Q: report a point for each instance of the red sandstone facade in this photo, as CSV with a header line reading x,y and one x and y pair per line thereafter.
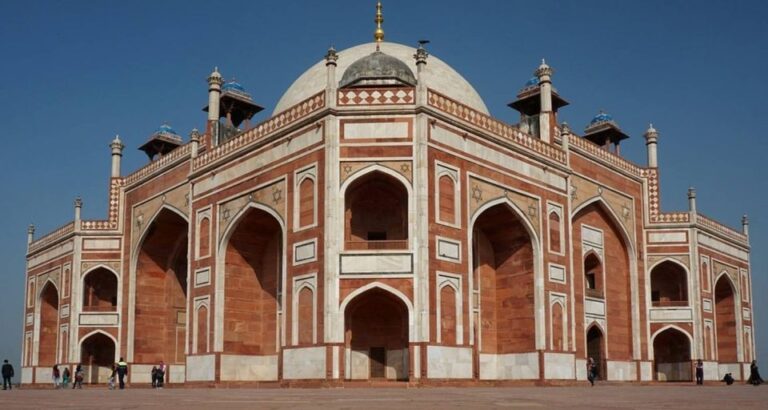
x,y
388,228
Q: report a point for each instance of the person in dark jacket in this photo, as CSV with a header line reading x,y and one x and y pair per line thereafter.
x,y
699,371
7,375
122,371
754,374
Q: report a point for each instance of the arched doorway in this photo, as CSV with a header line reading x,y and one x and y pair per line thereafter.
x,y
253,266
100,291
49,325
376,213
503,270
669,285
597,230
596,350
161,291
376,336
97,355
725,316
672,356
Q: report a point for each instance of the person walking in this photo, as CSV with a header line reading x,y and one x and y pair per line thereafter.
x,y
56,376
79,376
754,374
699,372
7,375
161,375
65,375
122,371
154,377
591,368
111,382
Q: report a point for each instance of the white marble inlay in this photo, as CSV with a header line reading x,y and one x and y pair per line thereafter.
x,y
556,273
202,277
667,237
101,244
361,130
448,250
706,304
376,263
304,252
99,319
594,307
671,314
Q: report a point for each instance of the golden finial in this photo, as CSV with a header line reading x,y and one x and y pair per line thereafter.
x,y
378,35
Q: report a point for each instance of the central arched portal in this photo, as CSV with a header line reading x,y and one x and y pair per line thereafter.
x,y
49,325
161,291
596,350
253,266
376,336
97,355
725,316
503,275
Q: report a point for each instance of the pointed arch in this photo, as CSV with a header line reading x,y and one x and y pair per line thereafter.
x,y
672,355
631,250
47,323
663,294
409,227
727,312
179,256
98,351
378,285
221,261
538,273
108,297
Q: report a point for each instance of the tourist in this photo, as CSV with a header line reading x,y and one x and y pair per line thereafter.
x,y
699,372
79,373
754,374
154,377
728,379
122,371
161,375
56,376
591,371
65,378
7,375
111,381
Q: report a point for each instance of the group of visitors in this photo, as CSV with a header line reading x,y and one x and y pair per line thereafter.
x,y
61,378
754,373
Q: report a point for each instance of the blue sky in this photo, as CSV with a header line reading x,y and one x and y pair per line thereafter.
x,y
76,73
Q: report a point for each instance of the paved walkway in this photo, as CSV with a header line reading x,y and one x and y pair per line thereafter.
x,y
602,397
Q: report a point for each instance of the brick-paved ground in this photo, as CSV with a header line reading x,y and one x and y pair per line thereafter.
x,y
581,397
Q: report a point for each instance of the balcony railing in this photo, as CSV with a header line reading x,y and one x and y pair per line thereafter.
x,y
594,293
376,245
669,303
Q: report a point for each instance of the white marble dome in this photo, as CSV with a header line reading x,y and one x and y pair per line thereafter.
x,y
439,76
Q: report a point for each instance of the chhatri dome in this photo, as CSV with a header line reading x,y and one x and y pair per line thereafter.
x,y
439,75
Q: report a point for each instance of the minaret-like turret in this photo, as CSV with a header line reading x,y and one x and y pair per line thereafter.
x,y
330,77
214,93
117,154
78,211
745,225
544,73
651,141
692,200
194,138
421,62
30,235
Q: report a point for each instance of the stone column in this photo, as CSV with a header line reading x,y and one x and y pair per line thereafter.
x,y
330,77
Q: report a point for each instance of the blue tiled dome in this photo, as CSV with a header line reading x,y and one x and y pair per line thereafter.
x,y
233,86
534,81
166,129
602,117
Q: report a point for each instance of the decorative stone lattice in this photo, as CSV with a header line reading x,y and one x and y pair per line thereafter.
x,y
270,126
494,126
376,96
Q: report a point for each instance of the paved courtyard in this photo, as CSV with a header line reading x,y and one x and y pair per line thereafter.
x,y
601,397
